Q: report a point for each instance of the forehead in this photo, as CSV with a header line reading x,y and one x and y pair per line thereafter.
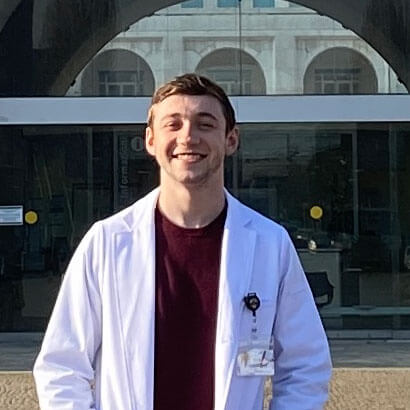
x,y
188,105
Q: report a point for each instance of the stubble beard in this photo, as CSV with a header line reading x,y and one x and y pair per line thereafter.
x,y
196,181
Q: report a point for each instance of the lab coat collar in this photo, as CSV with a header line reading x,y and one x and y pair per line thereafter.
x,y
144,215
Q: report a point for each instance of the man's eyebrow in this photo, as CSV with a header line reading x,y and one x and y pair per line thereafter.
x,y
207,115
201,114
169,116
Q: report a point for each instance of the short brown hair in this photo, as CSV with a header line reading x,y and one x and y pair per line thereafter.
x,y
194,84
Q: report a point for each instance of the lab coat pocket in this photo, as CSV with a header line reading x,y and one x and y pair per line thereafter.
x,y
247,392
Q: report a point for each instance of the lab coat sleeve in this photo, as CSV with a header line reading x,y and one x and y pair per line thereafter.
x,y
63,371
303,364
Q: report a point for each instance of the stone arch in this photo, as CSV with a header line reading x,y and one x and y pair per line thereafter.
x,y
70,42
340,70
223,66
117,72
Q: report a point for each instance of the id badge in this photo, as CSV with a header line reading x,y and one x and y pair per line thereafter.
x,y
255,358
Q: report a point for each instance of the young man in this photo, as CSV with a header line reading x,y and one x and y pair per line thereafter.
x,y
186,300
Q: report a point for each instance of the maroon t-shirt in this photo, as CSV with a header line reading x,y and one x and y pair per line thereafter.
x,y
187,277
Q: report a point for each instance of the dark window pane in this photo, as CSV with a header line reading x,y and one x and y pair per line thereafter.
x,y
70,176
357,174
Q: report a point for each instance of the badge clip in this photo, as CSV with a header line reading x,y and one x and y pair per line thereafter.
x,y
252,302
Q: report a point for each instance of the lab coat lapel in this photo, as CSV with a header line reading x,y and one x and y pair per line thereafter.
x,y
135,288
235,275
135,283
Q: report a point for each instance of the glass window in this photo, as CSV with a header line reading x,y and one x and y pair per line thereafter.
x,y
340,71
263,3
114,73
65,178
228,3
341,191
116,83
222,67
229,80
192,4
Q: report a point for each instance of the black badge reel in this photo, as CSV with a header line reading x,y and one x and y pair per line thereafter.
x,y
252,302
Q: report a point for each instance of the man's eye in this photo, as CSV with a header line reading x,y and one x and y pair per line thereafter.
x,y
172,124
206,125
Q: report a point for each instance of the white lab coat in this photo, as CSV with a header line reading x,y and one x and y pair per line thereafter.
x,y
101,333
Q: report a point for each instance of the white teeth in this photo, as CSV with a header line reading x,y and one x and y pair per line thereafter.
x,y
188,155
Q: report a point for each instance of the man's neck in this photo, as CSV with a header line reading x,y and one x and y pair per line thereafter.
x,y
191,207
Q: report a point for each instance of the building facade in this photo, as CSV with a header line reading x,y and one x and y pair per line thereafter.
x,y
250,47
325,146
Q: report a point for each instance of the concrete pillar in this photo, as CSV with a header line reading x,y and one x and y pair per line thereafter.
x,y
285,64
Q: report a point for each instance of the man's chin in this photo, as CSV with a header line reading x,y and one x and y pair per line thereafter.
x,y
193,181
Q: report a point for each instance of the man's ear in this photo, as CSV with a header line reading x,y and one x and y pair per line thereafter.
x,y
232,141
149,141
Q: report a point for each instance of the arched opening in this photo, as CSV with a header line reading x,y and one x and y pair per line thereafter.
x,y
340,70
117,73
58,39
237,72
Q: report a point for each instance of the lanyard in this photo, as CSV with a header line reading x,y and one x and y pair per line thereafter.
x,y
252,302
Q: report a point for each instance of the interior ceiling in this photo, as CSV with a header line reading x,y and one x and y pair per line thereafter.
x,y
6,10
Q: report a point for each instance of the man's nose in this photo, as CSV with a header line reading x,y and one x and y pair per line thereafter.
x,y
187,135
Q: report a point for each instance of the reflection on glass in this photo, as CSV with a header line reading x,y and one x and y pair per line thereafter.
x,y
340,190
70,177
355,250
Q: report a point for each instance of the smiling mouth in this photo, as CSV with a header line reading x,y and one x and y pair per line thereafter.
x,y
189,156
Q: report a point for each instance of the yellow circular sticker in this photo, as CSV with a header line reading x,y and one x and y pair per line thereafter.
x,y
31,217
316,212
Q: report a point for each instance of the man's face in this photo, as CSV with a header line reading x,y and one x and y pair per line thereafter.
x,y
189,141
